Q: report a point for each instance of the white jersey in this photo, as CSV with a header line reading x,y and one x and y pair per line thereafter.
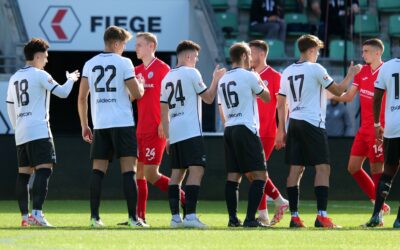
x,y
237,90
304,85
389,80
29,92
110,103
180,89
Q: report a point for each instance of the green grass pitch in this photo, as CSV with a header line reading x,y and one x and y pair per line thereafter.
x,y
72,232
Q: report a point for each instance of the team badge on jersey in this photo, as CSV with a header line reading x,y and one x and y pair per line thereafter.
x,y
265,82
326,77
150,75
50,80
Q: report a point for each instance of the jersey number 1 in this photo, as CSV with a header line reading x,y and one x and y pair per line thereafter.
x,y
178,94
396,85
292,89
21,89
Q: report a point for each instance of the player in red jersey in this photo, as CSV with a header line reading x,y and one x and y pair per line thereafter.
x,y
364,143
150,133
267,116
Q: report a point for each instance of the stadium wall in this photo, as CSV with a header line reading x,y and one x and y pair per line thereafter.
x,y
71,176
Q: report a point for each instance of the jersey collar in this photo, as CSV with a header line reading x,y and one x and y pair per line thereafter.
x,y
264,69
376,70
152,61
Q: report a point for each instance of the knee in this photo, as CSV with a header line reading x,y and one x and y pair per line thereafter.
x,y
152,175
352,169
324,170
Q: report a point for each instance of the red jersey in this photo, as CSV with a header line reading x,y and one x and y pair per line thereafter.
x,y
267,111
149,114
365,80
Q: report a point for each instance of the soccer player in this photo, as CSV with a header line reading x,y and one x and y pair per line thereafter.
x,y
150,133
181,116
388,80
364,143
303,86
28,102
110,79
267,115
237,91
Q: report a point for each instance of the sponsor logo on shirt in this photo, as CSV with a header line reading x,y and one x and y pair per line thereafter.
x,y
364,78
326,77
50,80
394,108
366,93
235,115
150,75
148,85
297,109
21,115
106,100
173,115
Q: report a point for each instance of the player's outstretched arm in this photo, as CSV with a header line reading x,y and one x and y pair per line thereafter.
x,y
136,88
347,96
209,95
165,122
280,138
64,90
338,89
83,108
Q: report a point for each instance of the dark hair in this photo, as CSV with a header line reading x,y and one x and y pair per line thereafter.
x,y
33,46
375,42
306,42
260,44
237,50
187,45
114,33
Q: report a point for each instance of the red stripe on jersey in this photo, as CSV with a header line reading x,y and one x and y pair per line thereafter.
x,y
267,111
149,116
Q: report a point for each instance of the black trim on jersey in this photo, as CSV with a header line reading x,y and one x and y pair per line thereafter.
x,y
300,62
26,67
127,79
320,105
281,94
9,102
163,102
45,116
202,91
198,120
380,89
107,52
51,91
329,85
84,77
260,92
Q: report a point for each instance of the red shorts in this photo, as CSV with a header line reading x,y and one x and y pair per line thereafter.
x,y
364,145
268,145
150,148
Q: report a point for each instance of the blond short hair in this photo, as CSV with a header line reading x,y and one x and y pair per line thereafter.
x,y
149,37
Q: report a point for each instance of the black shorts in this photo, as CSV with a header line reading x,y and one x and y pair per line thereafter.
x,y
37,152
243,150
391,149
306,144
186,153
120,141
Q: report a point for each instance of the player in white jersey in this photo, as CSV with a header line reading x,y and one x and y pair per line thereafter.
x,y
181,119
388,80
303,87
237,91
110,79
28,102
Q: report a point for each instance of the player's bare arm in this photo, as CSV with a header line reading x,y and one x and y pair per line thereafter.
x,y
136,88
165,122
347,96
221,114
281,133
209,95
338,89
83,108
378,95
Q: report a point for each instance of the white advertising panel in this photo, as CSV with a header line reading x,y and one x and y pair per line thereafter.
x,y
78,25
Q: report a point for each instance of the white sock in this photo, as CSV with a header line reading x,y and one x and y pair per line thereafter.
x,y
37,212
176,217
191,216
25,216
279,201
263,213
322,213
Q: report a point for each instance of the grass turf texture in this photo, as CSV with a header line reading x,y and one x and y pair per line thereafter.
x,y
72,232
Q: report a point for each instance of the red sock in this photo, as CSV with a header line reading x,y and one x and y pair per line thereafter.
x,y
263,202
271,190
365,182
162,183
183,198
143,193
375,179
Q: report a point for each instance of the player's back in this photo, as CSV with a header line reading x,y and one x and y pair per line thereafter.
x,y
31,103
389,80
304,85
236,92
180,89
109,97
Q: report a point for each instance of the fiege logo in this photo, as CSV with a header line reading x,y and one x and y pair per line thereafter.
x,y
60,24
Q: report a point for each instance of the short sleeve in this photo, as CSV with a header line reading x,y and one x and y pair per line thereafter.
x,y
357,80
322,75
254,80
198,82
47,81
10,97
85,71
380,80
164,94
129,70
282,87
277,83
219,100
